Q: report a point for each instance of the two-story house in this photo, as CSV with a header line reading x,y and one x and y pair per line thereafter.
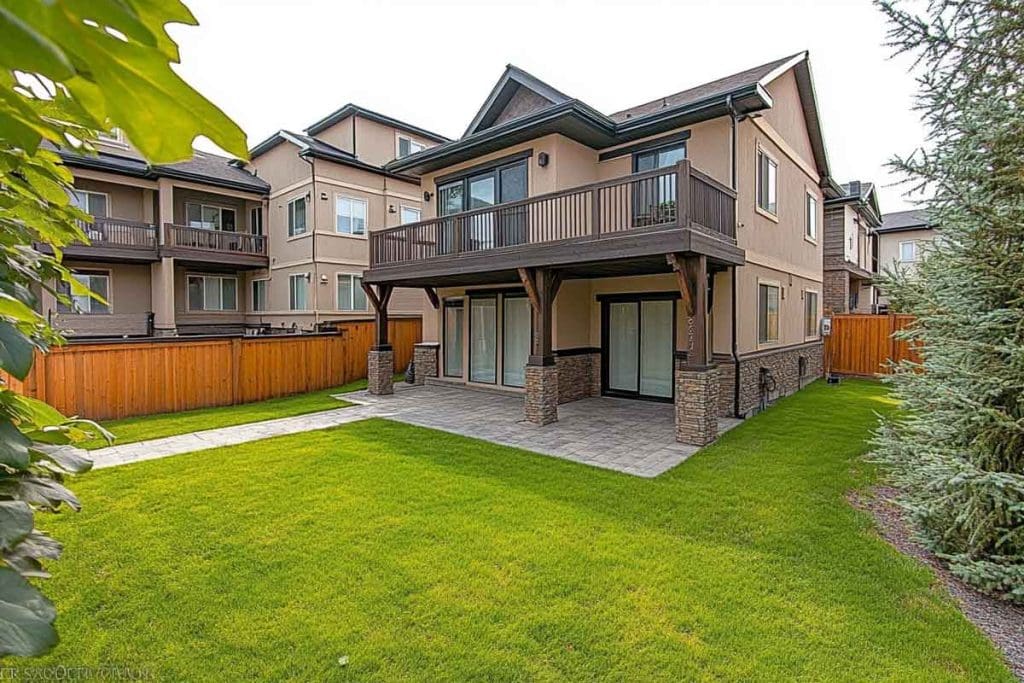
x,y
850,250
329,189
903,240
169,244
668,252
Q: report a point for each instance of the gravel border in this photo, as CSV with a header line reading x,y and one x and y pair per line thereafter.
x,y
1001,621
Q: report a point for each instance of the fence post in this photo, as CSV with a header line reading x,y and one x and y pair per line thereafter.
x,y
236,369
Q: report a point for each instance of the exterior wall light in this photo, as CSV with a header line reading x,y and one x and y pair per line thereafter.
x,y
542,159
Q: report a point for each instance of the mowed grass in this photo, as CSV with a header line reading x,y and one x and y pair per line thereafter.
x,y
132,429
421,555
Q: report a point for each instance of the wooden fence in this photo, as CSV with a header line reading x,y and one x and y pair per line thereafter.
x,y
120,379
863,344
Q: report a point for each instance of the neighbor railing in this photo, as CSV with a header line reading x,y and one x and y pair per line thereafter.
x,y
214,240
117,232
642,201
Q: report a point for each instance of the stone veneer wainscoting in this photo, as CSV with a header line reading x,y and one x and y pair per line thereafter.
x,y
579,374
424,359
541,394
785,366
380,371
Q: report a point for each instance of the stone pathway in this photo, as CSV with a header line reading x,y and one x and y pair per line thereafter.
x,y
634,437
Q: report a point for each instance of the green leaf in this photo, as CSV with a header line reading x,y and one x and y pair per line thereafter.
x,y
39,491
13,446
28,49
12,308
25,556
17,351
15,523
68,458
26,617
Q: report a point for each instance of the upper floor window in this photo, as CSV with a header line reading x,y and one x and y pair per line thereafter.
x,y
256,220
297,216
768,295
97,281
661,157
212,293
410,215
351,296
407,146
210,217
811,217
498,185
350,216
259,295
93,203
767,183
113,135
297,286
908,252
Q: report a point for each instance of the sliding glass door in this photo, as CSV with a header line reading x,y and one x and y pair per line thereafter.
x,y
454,324
638,346
483,339
515,337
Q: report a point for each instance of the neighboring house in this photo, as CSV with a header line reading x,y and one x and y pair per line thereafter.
x,y
329,190
169,244
850,249
670,252
903,240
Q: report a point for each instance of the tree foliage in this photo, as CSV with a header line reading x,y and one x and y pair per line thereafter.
x,y
67,71
957,448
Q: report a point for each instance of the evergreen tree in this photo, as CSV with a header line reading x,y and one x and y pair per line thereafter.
x,y
956,450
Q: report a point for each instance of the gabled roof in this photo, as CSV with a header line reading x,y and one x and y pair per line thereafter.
x,y
203,167
355,110
741,93
900,221
862,193
316,148
510,83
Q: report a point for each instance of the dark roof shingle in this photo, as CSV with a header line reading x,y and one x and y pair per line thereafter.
x,y
914,219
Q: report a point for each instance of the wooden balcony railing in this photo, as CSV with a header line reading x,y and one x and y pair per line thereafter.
x,y
675,197
186,237
116,232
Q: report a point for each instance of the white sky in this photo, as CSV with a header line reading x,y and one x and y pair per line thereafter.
x,y
273,65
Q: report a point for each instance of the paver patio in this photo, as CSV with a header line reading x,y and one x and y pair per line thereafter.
x,y
634,437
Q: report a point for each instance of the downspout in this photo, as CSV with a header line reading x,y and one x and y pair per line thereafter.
x,y
314,282
735,311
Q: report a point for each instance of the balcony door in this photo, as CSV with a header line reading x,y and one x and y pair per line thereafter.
x,y
478,191
638,345
654,199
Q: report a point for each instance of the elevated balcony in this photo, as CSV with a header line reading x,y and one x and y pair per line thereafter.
x,y
214,247
622,226
116,239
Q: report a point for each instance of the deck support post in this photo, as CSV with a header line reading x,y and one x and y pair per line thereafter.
x,y
541,286
380,361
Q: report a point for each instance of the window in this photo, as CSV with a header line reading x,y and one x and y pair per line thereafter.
x,y
517,326
210,217
811,218
95,281
499,185
767,313
654,199
93,203
483,339
212,293
662,157
297,216
113,135
407,146
256,220
259,295
297,285
454,321
351,296
908,252
410,215
351,216
810,314
767,183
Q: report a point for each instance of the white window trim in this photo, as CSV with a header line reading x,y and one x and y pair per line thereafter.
x,y
406,207
817,314
398,144
208,276
305,278
758,150
813,239
366,220
203,205
287,212
337,301
757,303
252,289
109,274
115,136
916,256
105,195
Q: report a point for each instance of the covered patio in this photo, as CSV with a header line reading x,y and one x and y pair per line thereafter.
x,y
633,437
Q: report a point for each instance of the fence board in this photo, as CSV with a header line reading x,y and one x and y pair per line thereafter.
x,y
112,380
864,345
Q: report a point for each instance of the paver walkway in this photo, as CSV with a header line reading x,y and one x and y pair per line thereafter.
x,y
634,437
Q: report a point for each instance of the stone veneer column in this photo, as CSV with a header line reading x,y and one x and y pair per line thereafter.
x,y
696,403
424,358
380,370
542,393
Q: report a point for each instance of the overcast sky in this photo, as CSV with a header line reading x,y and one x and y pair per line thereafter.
x,y
273,65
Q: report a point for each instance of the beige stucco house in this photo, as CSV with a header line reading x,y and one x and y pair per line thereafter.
x,y
329,189
671,252
170,245
903,240
850,264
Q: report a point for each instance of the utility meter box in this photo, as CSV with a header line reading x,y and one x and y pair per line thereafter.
x,y
826,326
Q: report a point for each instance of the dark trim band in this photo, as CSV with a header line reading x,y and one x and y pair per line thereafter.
x,y
482,168
645,146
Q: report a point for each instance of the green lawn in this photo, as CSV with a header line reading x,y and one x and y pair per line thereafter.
x,y
422,555
132,429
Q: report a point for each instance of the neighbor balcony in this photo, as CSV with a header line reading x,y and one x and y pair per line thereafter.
x,y
622,226
115,239
212,247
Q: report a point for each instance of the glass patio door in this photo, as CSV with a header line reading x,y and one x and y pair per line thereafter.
x,y
638,344
516,331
